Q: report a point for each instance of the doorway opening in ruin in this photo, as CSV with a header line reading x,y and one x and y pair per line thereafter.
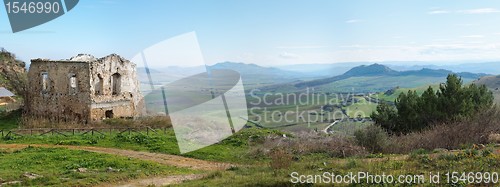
x,y
109,114
116,84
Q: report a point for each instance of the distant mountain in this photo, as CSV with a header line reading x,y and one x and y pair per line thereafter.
x,y
370,70
476,67
252,75
321,69
384,71
334,69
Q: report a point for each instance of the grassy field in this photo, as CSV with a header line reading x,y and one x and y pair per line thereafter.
x,y
416,164
362,108
380,84
60,167
398,91
229,150
254,169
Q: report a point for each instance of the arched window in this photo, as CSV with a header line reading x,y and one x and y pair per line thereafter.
x,y
116,84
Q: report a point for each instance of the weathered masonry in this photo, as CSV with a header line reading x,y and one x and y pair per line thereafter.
x,y
83,88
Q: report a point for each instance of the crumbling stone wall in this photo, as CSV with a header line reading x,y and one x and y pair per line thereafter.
x,y
55,101
107,74
84,88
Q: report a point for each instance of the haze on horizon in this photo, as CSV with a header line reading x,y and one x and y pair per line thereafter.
x,y
273,33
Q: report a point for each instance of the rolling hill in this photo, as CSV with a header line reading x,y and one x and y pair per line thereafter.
x,y
378,78
493,83
252,75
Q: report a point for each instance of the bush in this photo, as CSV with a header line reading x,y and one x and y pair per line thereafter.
x,y
119,122
309,143
373,138
155,121
280,158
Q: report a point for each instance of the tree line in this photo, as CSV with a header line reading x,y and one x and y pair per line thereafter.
x,y
452,101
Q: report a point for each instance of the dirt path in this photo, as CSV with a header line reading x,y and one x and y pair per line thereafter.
x,y
165,159
156,181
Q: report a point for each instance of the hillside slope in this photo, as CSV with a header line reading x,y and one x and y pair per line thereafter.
x,y
493,83
12,73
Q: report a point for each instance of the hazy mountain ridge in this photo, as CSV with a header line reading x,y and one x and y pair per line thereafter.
x,y
332,69
383,70
252,75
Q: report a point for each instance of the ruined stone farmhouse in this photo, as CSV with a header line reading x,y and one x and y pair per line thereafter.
x,y
83,88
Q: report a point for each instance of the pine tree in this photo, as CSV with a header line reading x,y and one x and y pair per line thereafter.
x,y
386,116
452,101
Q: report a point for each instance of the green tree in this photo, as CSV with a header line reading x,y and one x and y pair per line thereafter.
x,y
386,116
451,98
408,112
452,101
428,105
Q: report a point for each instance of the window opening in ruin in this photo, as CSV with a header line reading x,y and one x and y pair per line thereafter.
x,y
109,114
45,81
73,84
72,81
99,85
116,84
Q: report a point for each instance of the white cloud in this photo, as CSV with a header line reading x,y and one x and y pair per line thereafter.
x,y
480,11
302,47
473,36
288,55
467,24
468,11
439,12
354,21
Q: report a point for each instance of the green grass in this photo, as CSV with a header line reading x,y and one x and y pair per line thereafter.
x,y
361,108
58,167
398,91
416,164
380,84
231,149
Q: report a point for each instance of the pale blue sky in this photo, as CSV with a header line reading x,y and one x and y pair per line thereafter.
x,y
272,32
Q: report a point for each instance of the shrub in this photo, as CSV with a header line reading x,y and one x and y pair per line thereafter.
x,y
373,138
309,143
155,121
119,122
280,158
